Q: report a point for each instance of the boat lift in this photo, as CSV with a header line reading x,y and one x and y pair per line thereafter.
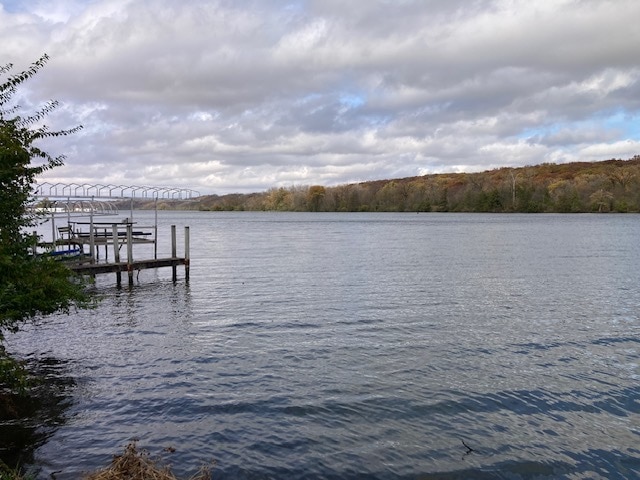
x,y
76,202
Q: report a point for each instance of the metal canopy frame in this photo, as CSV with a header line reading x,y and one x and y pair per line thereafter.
x,y
53,200
97,190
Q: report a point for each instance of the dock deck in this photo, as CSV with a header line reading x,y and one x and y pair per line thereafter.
x,y
130,267
115,267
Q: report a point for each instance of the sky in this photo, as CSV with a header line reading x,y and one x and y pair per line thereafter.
x,y
224,96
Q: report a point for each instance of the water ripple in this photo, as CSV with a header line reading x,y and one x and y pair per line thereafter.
x,y
365,346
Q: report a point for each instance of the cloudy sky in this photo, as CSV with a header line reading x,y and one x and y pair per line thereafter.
x,y
241,96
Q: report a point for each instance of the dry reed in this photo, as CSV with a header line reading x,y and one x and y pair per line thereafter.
x,y
136,464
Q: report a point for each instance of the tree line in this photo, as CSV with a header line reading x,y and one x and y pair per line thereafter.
x,y
606,186
31,285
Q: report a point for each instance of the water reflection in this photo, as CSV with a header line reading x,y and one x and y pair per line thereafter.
x,y
33,419
121,341
169,301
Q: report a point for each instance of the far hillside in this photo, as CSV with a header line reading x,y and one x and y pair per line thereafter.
x,y
607,186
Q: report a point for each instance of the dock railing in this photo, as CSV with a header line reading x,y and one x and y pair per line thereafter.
x,y
104,234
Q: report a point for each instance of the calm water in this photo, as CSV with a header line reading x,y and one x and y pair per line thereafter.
x,y
363,346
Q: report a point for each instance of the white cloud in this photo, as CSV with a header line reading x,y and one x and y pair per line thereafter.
x,y
620,149
242,96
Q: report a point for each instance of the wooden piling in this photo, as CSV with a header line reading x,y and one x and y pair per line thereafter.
x,y
186,253
116,251
130,252
92,242
174,253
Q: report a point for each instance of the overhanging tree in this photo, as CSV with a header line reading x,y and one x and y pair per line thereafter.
x,y
30,285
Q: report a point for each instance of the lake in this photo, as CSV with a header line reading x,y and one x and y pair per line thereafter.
x,y
360,345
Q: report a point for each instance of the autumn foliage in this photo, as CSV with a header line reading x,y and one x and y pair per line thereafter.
x,y
608,186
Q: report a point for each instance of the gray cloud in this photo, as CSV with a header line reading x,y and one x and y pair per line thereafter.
x,y
243,96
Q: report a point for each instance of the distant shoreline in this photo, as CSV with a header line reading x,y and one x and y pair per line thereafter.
x,y
579,187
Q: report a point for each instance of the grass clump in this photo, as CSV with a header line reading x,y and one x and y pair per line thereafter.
x,y
8,473
136,464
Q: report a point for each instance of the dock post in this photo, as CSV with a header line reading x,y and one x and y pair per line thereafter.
x,y
173,253
92,239
53,233
155,229
130,252
106,246
116,252
186,254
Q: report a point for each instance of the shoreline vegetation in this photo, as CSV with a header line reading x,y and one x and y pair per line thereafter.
x,y
132,464
31,286
579,187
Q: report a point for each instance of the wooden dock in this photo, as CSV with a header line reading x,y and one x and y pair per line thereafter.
x,y
116,238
